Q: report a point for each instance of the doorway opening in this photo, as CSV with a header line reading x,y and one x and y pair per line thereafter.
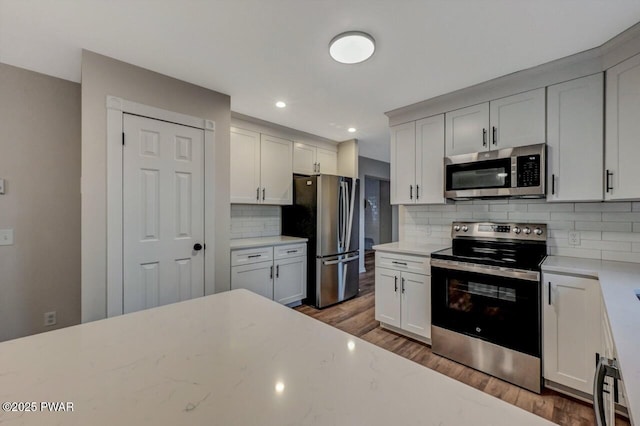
x,y
377,212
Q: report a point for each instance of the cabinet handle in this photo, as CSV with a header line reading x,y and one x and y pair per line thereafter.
x,y
318,167
399,263
291,251
254,255
553,184
258,193
494,136
402,285
484,137
271,272
395,283
277,271
263,191
411,192
609,174
417,192
549,290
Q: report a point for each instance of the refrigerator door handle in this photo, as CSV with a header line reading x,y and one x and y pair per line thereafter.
x,y
345,260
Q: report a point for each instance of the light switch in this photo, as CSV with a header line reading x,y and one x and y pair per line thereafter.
x,y
6,237
1,186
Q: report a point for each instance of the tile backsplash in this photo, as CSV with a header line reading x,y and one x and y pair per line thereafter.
x,y
608,231
250,221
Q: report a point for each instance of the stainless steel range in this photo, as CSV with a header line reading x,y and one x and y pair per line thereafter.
x,y
486,299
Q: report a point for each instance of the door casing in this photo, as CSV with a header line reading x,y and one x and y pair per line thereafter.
x,y
116,107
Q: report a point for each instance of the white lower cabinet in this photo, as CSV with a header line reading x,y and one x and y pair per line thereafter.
x,y
403,298
283,277
572,330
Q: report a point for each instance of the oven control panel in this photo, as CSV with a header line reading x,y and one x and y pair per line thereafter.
x,y
511,231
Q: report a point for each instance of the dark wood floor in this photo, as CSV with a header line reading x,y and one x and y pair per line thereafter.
x,y
356,317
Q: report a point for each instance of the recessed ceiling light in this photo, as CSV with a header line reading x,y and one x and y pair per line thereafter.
x,y
351,129
280,104
352,47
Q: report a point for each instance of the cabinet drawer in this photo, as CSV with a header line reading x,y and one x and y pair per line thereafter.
x,y
291,250
251,255
403,262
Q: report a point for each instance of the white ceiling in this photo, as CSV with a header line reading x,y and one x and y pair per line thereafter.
x,y
260,51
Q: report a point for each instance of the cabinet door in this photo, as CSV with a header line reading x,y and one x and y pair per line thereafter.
x,y
290,283
518,120
572,331
429,160
415,310
327,161
622,149
276,166
467,130
575,144
256,277
387,296
403,163
245,166
304,159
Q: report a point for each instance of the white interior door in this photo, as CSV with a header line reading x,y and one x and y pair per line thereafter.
x,y
163,213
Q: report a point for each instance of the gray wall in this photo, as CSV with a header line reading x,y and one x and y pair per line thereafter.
x,y
40,161
102,76
376,169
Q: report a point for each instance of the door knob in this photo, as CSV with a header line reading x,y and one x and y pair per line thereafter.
x,y
197,246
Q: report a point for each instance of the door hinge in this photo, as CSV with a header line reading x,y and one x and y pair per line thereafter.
x,y
122,138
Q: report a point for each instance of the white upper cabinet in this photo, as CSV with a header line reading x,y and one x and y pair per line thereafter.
x,y
417,152
516,120
304,159
575,144
261,168
430,160
467,130
245,166
403,163
622,140
327,161
276,157
309,160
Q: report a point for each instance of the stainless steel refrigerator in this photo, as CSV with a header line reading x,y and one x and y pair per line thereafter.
x,y
325,210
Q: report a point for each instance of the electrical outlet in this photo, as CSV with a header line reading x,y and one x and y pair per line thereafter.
x,y
574,238
50,318
6,237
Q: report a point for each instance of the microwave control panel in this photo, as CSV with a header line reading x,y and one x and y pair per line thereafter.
x,y
529,170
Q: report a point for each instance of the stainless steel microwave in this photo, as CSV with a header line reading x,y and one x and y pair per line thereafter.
x,y
509,172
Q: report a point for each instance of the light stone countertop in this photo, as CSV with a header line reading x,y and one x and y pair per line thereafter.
x,y
242,243
404,247
233,358
618,280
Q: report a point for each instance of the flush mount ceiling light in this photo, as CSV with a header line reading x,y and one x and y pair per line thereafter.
x,y
352,47
280,104
351,130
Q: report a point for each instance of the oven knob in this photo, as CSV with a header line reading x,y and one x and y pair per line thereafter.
x,y
465,228
516,229
537,231
456,228
527,230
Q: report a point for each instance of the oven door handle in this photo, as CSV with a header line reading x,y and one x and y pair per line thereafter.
x,y
519,274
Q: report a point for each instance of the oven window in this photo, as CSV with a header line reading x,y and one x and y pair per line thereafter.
x,y
481,174
491,297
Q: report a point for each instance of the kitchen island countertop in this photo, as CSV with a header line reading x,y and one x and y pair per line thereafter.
x,y
233,358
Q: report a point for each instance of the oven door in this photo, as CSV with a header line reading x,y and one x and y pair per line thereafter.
x,y
501,306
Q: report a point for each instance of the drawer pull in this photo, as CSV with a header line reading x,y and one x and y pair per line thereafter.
x,y
254,256
399,263
292,251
